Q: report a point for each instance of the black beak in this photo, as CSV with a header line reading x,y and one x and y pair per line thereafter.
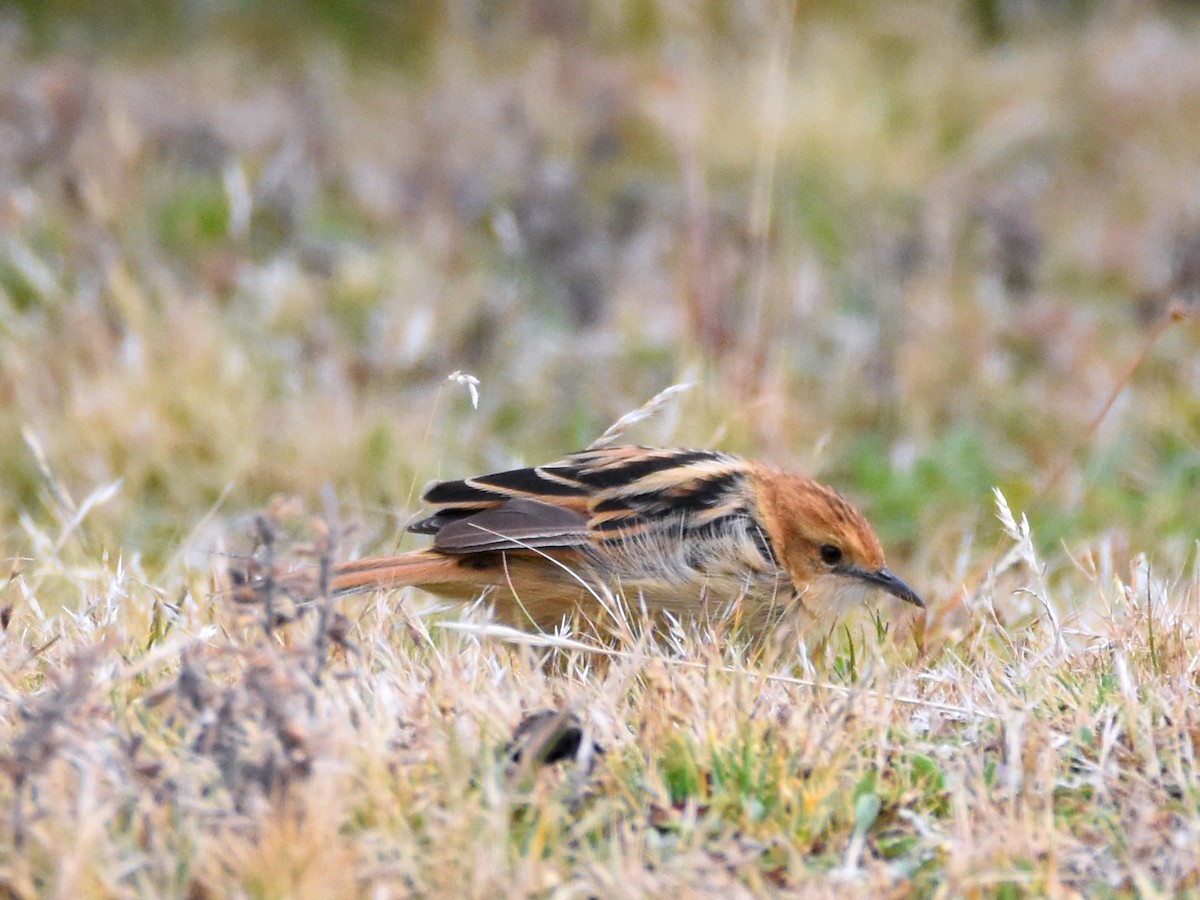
x,y
889,582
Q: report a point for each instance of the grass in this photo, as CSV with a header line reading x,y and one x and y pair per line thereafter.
x,y
912,254
166,747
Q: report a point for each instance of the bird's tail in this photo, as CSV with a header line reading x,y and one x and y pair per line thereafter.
x,y
421,568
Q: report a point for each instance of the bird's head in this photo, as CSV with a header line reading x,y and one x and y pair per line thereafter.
x,y
825,544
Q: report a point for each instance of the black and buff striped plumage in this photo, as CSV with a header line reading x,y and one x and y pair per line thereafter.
x,y
685,532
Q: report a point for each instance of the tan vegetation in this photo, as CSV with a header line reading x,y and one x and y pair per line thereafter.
x,y
911,252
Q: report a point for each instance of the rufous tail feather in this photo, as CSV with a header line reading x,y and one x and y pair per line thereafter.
x,y
421,567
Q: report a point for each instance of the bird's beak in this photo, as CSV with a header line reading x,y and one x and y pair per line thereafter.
x,y
889,582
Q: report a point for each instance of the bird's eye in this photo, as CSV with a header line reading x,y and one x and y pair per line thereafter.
x,y
830,555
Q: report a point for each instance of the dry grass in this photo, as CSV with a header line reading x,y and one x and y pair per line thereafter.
x,y
912,254
158,745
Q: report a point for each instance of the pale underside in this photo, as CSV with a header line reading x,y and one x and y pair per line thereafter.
x,y
665,570
720,576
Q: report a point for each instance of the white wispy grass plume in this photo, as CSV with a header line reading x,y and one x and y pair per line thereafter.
x,y
643,412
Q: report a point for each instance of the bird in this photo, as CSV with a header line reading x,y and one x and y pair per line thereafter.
x,y
678,533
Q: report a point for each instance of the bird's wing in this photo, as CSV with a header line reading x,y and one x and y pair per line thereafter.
x,y
601,496
520,508
513,524
636,491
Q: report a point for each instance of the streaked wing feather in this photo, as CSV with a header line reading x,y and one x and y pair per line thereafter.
x,y
692,489
466,498
514,525
611,494
542,481
621,467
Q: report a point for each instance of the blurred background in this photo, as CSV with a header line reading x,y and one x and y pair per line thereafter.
x,y
907,247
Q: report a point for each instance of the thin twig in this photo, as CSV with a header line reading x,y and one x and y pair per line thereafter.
x,y
266,535
1175,314
327,546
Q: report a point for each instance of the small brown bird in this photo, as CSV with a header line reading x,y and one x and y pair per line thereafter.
x,y
692,533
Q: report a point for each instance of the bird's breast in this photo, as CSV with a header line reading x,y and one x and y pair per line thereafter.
x,y
674,566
